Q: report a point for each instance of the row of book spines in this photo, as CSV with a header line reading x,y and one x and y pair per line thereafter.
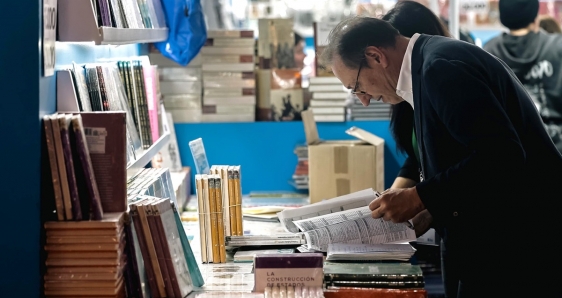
x,y
211,219
231,197
162,277
71,168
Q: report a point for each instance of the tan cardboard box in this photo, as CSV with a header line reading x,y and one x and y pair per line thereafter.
x,y
336,168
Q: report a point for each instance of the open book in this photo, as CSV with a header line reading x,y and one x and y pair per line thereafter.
x,y
345,219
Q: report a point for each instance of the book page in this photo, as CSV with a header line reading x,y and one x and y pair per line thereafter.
x,y
353,200
365,230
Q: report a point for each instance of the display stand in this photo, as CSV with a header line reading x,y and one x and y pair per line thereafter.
x,y
77,23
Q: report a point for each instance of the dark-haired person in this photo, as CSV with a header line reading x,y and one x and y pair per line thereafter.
x,y
549,24
489,170
535,57
402,125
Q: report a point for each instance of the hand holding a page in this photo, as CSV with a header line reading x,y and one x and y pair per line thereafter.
x,y
397,205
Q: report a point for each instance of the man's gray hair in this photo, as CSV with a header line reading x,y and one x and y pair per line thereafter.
x,y
349,39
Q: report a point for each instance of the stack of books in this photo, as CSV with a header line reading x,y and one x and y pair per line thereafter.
x,y
86,258
377,110
219,197
181,88
328,99
228,76
300,176
328,93
373,275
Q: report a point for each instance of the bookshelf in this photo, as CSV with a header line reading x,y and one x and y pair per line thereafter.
x,y
77,23
26,182
147,155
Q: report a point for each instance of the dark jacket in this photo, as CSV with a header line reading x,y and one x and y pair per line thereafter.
x,y
487,161
536,60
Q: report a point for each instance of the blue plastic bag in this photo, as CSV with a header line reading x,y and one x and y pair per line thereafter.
x,y
187,30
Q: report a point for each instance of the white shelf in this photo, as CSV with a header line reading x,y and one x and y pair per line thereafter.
x,y
147,155
77,23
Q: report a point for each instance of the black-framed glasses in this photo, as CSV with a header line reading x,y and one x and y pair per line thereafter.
x,y
354,91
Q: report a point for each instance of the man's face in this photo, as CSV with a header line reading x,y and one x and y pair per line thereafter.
x,y
374,79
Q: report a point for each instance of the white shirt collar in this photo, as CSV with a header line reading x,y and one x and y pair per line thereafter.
x,y
404,86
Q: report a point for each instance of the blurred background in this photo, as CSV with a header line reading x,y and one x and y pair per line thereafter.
x,y
478,19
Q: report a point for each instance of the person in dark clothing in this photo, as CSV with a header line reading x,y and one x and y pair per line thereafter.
x,y
489,170
536,59
402,126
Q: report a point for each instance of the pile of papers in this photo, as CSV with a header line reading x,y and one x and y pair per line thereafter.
x,y
370,252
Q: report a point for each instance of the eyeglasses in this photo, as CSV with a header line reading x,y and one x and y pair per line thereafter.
x,y
354,91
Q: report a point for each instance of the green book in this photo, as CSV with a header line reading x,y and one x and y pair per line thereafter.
x,y
354,272
196,276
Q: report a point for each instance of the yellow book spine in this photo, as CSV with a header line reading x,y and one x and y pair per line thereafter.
x,y
214,220
201,211
232,202
238,190
220,222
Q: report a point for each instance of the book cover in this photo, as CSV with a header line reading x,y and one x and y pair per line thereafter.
x,y
64,124
105,135
192,264
93,194
65,189
159,246
182,283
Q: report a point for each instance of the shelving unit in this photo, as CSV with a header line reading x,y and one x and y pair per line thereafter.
x,y
77,23
147,155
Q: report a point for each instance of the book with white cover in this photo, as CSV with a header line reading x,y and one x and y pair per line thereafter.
x,y
228,67
320,88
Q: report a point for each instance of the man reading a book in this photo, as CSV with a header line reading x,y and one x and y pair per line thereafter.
x,y
488,170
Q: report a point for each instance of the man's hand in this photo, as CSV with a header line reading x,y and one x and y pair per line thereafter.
x,y
397,205
422,222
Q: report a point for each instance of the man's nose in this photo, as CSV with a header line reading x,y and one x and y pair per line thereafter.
x,y
365,99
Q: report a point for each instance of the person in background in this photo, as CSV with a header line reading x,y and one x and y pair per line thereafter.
x,y
402,125
535,57
489,170
299,51
549,24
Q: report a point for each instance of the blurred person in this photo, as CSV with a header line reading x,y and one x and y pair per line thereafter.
x,y
549,24
486,160
535,57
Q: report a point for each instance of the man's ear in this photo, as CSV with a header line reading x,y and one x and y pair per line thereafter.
x,y
374,56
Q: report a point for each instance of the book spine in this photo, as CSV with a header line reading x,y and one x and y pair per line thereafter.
x,y
153,258
202,223
54,167
67,149
225,200
238,191
231,201
92,185
132,267
214,220
144,250
158,213
207,210
158,245
220,218
61,167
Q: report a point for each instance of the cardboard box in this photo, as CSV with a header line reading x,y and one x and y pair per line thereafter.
x,y
337,168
